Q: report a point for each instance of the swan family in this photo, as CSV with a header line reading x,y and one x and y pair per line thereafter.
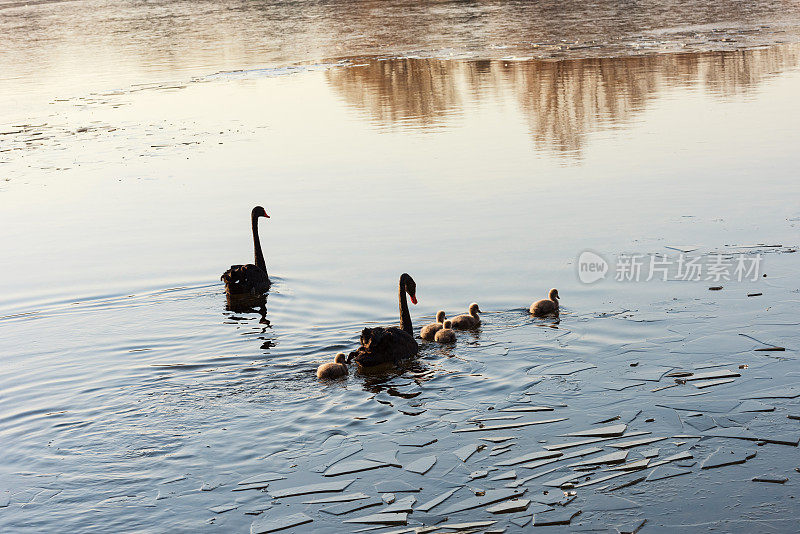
x,y
381,346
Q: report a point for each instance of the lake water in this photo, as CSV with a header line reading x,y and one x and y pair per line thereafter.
x,y
480,147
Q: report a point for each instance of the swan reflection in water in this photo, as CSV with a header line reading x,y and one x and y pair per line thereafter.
x,y
247,304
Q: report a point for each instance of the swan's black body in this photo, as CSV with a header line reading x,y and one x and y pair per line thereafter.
x,y
390,345
250,279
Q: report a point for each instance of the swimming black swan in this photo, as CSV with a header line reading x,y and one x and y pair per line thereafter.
x,y
249,279
389,345
446,334
335,369
428,332
548,306
465,322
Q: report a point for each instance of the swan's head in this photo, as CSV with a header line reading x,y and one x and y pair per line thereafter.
x,y
440,316
258,211
473,308
554,294
448,323
340,358
410,286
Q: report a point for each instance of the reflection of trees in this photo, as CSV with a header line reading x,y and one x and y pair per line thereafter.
x,y
561,100
397,90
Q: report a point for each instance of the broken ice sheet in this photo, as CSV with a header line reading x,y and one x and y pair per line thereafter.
x,y
222,508
777,393
262,477
619,385
324,487
701,422
416,440
559,446
478,474
608,503
467,526
499,450
521,481
631,466
388,457
400,518
513,505
685,455
604,431
563,368
254,486
426,507
727,456
666,471
448,404
610,458
649,373
561,481
494,418
345,453
347,507
421,465
527,409
466,451
265,525
339,498
755,406
508,475
395,486
710,383
711,406
490,497
574,454
710,375
537,455
404,504
555,517
509,425
355,466
626,484
635,443
591,481
497,439
774,479
633,527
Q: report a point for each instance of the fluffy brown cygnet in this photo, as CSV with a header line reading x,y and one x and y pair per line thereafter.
x,y
548,306
334,369
428,332
446,334
465,322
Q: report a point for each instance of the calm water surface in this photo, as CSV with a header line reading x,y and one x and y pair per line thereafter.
x,y
479,146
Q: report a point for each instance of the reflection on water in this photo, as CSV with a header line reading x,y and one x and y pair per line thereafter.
x,y
562,101
46,50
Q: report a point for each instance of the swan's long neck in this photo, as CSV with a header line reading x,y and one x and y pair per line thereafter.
x,y
405,316
257,245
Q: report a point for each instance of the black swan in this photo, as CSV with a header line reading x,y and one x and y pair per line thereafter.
x,y
428,332
336,369
389,345
465,322
249,279
548,306
446,334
